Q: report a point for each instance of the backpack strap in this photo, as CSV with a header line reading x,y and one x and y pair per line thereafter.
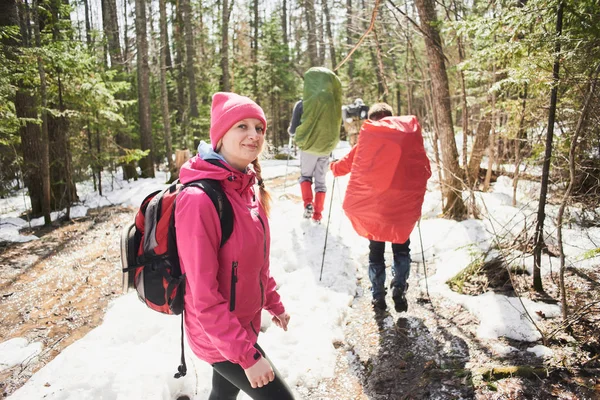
x,y
215,192
182,369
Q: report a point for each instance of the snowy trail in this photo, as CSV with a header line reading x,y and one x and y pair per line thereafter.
x,y
136,339
336,347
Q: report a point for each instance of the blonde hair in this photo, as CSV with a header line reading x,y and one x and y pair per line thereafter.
x,y
379,111
265,197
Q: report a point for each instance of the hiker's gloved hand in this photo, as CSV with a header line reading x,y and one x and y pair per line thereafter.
x,y
260,373
282,320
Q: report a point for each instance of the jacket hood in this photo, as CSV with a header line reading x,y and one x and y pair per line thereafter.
x,y
203,166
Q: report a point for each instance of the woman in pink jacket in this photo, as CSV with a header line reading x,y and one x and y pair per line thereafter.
x,y
227,287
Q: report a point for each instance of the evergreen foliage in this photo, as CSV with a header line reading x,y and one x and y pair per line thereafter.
x,y
505,56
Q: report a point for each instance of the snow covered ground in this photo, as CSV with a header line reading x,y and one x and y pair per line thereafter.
x,y
135,351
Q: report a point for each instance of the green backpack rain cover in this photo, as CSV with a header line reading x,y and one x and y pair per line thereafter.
x,y
319,130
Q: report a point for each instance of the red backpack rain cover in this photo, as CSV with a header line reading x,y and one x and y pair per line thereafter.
x,y
388,179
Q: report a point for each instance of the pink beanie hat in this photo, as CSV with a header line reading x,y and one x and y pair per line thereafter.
x,y
229,108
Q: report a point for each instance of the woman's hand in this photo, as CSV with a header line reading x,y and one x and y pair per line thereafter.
x,y
282,320
260,373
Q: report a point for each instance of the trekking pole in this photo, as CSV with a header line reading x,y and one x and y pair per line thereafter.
x,y
327,229
287,163
424,264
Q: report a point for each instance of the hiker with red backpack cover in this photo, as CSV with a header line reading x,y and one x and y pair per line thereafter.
x,y
389,172
228,285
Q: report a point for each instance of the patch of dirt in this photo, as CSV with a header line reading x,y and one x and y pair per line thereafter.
x,y
282,182
402,355
55,290
432,351
482,276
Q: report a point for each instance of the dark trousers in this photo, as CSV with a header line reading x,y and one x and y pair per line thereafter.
x,y
400,267
229,378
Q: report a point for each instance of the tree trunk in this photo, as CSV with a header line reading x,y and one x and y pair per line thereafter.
x,y
207,58
397,88
164,95
189,59
493,140
381,84
408,71
225,81
255,91
350,41
329,34
479,144
320,37
454,207
63,189
168,59
31,146
99,158
284,30
126,59
579,128
88,26
434,127
93,155
25,103
129,170
541,215
179,56
45,148
465,110
311,29
9,15
463,92
111,31
275,127
143,72
375,52
92,158
116,56
181,117
521,136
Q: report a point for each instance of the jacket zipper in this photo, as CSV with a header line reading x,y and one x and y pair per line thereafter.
x,y
262,294
253,329
234,280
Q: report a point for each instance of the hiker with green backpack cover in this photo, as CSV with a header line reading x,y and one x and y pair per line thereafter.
x,y
315,125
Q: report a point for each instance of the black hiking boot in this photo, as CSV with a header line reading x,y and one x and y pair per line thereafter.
x,y
308,211
400,303
378,303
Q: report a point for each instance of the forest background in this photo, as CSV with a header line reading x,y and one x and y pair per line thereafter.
x,y
105,85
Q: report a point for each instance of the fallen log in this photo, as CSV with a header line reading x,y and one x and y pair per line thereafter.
x,y
523,371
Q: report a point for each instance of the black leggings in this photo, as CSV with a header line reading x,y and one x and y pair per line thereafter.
x,y
229,378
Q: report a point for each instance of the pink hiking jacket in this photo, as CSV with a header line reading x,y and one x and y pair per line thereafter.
x,y
226,288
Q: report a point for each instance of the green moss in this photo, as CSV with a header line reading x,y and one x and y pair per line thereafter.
x,y
474,268
590,254
282,156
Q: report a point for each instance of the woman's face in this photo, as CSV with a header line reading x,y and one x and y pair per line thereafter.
x,y
243,142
